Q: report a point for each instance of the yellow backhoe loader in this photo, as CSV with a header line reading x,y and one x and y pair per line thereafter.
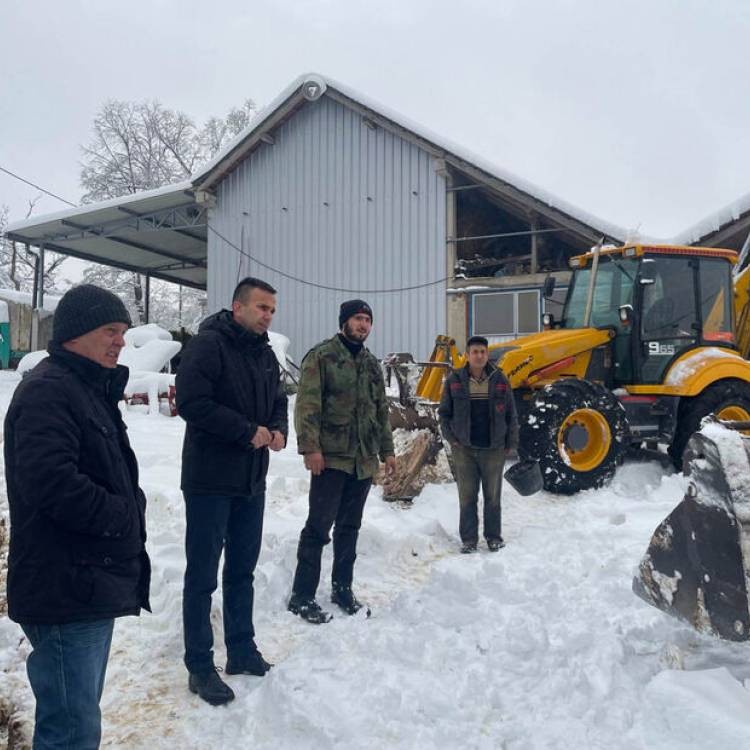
x,y
652,347
652,339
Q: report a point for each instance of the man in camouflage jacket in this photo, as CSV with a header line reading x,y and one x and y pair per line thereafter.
x,y
341,418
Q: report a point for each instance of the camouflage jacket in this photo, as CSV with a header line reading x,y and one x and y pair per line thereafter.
x,y
341,409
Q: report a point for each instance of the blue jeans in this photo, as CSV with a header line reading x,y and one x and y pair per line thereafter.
x,y
213,523
66,670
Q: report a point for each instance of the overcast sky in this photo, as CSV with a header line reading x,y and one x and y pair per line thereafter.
x,y
637,112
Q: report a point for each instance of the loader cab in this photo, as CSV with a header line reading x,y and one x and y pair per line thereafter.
x,y
661,301
685,302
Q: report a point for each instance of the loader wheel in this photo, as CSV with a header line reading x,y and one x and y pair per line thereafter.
x,y
578,432
727,399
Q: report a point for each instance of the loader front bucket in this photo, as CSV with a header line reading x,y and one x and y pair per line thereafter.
x,y
696,565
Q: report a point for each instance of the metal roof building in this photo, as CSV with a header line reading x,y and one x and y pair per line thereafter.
x,y
328,196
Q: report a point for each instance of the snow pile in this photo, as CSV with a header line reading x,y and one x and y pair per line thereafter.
x,y
707,709
140,335
149,349
25,298
540,646
280,345
30,361
152,356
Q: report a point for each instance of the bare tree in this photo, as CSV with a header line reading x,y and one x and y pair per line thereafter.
x,y
17,265
140,146
143,145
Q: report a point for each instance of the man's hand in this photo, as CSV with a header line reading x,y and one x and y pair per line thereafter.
x,y
315,463
261,438
277,441
390,466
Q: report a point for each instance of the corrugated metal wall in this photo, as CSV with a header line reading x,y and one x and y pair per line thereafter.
x,y
337,203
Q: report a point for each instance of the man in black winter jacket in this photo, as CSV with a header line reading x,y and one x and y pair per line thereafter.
x,y
478,419
77,516
229,392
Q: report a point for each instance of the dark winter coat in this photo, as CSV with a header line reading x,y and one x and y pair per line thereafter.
x,y
228,384
341,409
454,411
77,515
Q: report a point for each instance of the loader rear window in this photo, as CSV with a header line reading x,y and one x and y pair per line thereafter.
x,y
715,295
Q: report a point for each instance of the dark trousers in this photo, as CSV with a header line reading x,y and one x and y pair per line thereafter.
x,y
66,670
335,498
475,465
213,523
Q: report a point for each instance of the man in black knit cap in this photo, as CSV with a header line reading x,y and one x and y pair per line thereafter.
x,y
77,516
341,418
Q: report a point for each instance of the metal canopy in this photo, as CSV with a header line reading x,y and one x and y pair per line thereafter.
x,y
161,233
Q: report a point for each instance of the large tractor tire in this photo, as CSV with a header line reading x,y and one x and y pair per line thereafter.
x,y
578,432
728,400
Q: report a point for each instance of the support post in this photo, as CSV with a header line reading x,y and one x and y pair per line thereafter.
x,y
34,334
534,226
147,310
40,271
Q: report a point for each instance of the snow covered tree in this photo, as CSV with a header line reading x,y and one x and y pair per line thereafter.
x,y
141,146
17,267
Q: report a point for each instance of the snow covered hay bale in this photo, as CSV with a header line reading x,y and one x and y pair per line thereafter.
x,y
697,564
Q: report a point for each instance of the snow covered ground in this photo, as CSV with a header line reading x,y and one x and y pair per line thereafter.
x,y
541,645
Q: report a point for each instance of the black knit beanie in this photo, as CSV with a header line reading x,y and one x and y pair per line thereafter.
x,y
353,307
84,308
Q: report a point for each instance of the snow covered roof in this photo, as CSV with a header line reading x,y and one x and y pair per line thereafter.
x,y
312,86
732,222
161,232
24,298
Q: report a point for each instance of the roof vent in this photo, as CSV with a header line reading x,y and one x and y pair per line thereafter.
x,y
313,88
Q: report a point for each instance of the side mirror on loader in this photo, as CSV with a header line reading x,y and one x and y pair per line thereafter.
x,y
549,287
646,276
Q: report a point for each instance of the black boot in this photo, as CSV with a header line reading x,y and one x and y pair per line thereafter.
x,y
344,597
308,609
210,687
251,662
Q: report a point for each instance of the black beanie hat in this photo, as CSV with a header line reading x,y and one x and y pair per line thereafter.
x,y
84,308
353,307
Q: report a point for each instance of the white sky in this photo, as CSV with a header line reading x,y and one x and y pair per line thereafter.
x,y
633,111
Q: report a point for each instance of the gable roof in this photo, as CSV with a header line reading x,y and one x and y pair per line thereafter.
x,y
312,86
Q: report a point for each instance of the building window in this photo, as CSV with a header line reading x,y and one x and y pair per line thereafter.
x,y
501,316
